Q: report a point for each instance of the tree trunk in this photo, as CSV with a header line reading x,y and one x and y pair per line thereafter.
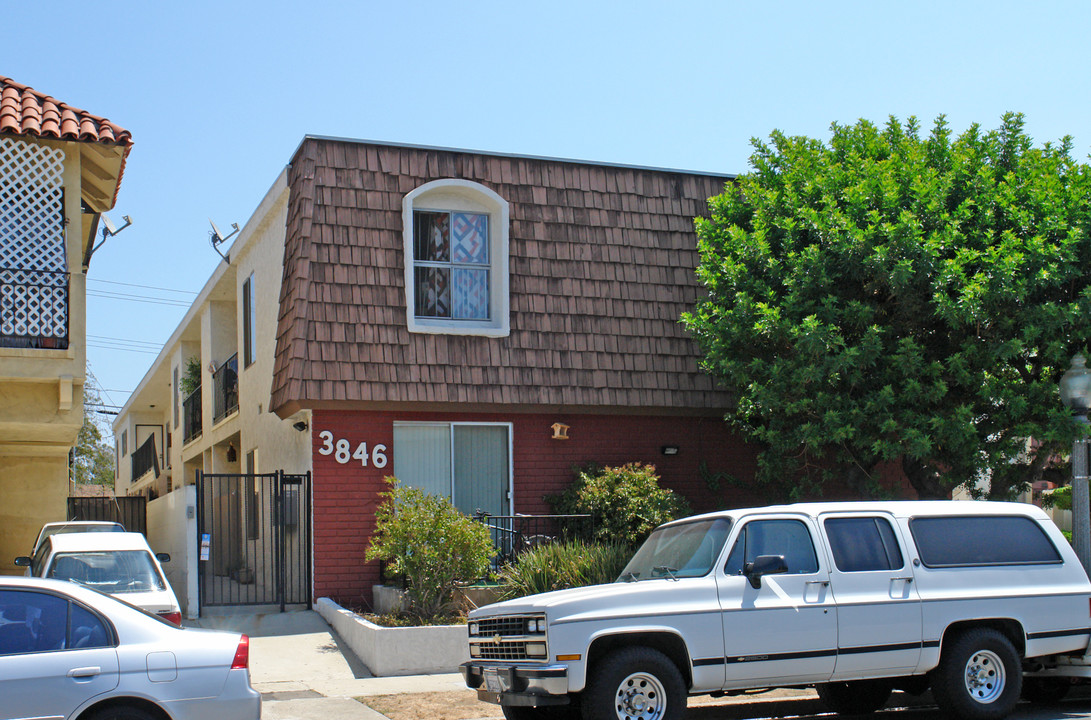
x,y
924,479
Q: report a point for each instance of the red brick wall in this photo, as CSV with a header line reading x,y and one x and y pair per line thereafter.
x,y
346,495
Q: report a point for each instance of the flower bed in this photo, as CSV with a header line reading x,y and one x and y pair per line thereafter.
x,y
398,651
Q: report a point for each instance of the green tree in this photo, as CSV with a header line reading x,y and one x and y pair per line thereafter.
x,y
92,457
888,297
431,544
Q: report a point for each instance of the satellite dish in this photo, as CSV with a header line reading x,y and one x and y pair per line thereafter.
x,y
111,229
217,237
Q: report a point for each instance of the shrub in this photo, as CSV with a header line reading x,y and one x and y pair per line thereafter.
x,y
431,544
626,502
563,565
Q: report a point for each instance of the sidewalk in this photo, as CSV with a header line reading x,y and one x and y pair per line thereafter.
x,y
303,672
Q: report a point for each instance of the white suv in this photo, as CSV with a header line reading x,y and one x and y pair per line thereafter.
x,y
116,563
856,599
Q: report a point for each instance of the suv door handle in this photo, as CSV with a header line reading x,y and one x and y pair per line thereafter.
x,y
84,672
907,579
817,582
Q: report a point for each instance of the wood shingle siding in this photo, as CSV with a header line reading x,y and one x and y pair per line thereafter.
x,y
602,265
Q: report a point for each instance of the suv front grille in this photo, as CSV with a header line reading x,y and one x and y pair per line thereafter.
x,y
504,651
503,626
506,638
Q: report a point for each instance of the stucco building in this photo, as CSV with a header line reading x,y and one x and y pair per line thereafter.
x,y
60,169
476,324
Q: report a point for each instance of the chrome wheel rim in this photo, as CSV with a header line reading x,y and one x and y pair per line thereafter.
x,y
640,697
985,677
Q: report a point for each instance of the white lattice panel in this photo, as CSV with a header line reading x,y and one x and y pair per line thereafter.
x,y
33,271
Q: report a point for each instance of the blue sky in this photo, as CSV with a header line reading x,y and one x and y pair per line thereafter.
x,y
218,95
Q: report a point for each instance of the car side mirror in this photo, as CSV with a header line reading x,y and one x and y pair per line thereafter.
x,y
23,561
162,557
764,565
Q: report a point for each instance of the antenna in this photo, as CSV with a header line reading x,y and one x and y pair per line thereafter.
x,y
108,231
217,238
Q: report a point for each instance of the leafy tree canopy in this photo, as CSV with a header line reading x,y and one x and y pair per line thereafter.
x,y
887,297
92,457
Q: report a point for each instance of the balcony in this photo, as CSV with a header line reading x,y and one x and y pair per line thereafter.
x,y
145,459
33,308
191,416
225,389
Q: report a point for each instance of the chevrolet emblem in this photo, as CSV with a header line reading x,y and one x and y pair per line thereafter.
x,y
497,639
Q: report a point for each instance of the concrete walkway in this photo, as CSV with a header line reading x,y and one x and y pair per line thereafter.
x,y
304,672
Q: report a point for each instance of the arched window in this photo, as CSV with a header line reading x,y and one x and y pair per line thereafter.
x,y
456,259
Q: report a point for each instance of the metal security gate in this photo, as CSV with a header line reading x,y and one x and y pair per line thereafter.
x,y
254,539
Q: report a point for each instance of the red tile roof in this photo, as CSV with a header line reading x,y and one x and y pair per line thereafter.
x,y
25,111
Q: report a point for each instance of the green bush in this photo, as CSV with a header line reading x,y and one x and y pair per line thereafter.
x,y
626,502
1061,498
563,565
429,543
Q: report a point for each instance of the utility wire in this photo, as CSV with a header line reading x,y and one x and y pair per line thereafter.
x,y
145,287
138,298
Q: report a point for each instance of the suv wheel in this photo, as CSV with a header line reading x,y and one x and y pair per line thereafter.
x,y
979,676
1045,690
855,698
635,683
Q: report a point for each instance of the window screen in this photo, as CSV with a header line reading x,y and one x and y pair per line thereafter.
x,y
860,544
981,540
789,538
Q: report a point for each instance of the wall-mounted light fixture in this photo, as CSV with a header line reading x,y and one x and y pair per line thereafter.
x,y
560,431
300,426
669,449
232,453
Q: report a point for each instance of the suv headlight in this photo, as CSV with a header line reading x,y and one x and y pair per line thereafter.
x,y
472,627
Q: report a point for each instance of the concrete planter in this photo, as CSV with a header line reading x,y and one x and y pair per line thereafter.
x,y
398,651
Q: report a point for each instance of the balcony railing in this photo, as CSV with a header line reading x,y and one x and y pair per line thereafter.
x,y
33,308
191,415
225,389
145,458
513,535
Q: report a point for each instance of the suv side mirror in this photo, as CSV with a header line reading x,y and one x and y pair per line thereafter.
x,y
764,565
162,557
23,561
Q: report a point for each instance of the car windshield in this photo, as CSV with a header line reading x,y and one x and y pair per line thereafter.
x,y
677,551
50,530
111,571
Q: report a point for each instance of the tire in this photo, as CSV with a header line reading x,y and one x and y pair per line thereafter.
x,y
979,676
855,698
634,683
1045,690
548,712
122,712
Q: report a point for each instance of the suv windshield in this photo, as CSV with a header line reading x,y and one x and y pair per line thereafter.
x,y
113,571
677,551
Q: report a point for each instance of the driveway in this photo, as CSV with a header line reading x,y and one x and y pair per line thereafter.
x,y
304,672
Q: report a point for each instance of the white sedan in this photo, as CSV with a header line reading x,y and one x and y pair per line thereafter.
x,y
67,651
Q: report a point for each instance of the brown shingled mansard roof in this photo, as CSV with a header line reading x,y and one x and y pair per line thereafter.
x,y
29,113
602,262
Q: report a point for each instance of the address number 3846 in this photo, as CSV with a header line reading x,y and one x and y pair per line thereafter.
x,y
342,451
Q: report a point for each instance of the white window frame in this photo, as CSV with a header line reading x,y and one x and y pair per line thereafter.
x,y
451,426
454,195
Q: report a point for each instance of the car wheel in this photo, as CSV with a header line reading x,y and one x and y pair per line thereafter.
x,y
1045,690
979,676
636,683
548,712
122,712
855,698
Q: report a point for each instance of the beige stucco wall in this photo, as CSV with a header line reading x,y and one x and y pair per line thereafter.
x,y
41,402
278,445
